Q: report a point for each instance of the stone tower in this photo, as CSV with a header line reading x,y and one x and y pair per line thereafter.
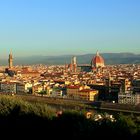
x,y
74,64
10,60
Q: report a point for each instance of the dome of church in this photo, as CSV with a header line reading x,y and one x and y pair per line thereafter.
x,y
97,61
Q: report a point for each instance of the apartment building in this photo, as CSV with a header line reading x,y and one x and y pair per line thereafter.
x,y
133,99
8,87
23,88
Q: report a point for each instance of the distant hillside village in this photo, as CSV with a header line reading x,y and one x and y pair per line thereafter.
x,y
91,82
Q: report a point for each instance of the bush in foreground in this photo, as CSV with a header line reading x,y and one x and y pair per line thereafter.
x,y
15,107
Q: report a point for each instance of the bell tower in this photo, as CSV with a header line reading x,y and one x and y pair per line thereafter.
x,y
10,60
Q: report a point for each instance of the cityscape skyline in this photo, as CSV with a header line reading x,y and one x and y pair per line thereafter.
x,y
70,68
52,28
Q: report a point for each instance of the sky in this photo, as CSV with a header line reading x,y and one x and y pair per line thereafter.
x,y
61,27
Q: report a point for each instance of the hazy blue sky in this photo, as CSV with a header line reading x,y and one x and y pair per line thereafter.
x,y
54,27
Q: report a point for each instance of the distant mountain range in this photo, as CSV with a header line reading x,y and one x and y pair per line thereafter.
x,y
110,58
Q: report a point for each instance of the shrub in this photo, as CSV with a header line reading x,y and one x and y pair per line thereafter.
x,y
12,106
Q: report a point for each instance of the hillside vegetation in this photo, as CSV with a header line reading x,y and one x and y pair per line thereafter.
x,y
34,118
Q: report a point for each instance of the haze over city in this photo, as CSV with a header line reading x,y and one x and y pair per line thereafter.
x,y
52,27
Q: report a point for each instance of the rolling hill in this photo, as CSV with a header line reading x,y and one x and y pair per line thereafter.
x,y
110,58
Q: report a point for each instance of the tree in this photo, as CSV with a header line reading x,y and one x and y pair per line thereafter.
x,y
126,125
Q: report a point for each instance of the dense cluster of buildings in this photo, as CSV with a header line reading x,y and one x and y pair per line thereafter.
x,y
94,81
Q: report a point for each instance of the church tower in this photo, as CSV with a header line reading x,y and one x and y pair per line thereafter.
x,y
74,64
10,60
